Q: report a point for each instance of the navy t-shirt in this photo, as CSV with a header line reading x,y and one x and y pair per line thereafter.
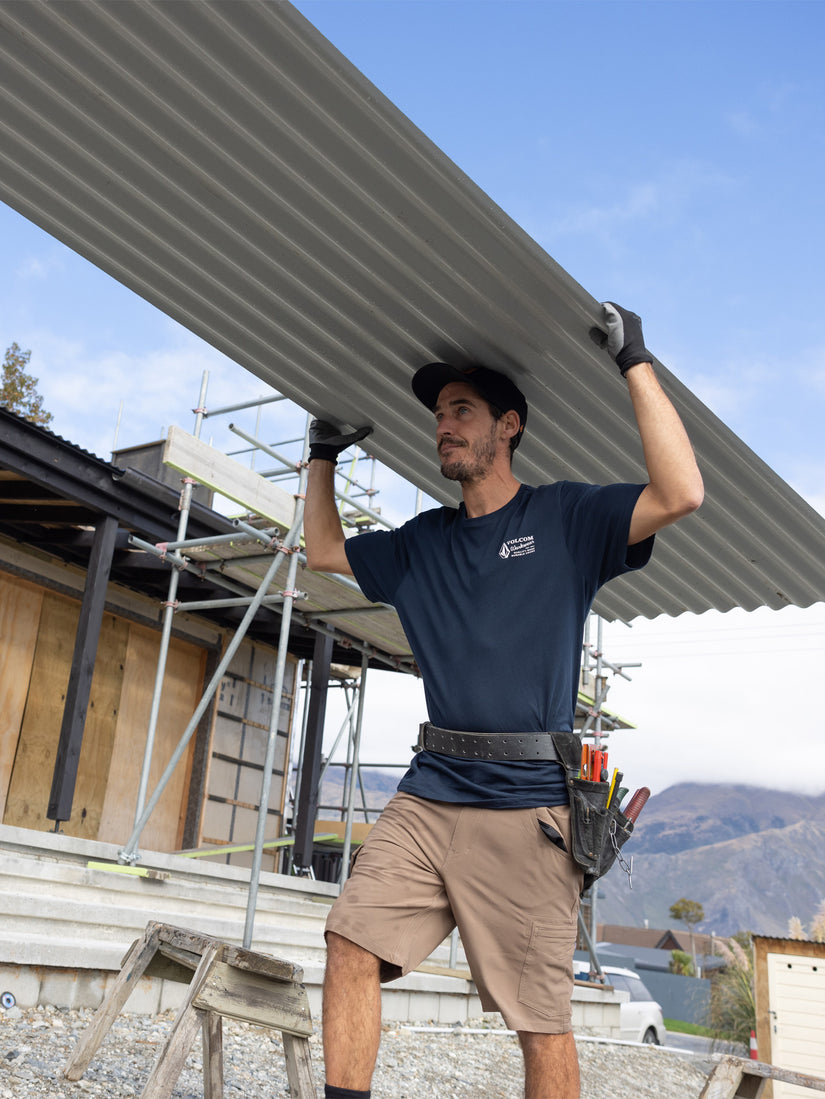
x,y
494,609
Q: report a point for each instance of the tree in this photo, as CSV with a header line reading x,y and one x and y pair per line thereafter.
x,y
816,930
689,913
18,390
681,964
795,928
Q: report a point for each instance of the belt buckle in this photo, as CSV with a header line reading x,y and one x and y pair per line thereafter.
x,y
419,744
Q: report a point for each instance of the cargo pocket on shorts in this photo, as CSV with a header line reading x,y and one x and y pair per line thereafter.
x,y
546,982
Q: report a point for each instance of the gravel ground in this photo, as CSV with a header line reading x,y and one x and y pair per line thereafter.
x,y
35,1043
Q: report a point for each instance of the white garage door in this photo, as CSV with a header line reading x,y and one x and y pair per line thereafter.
x,y
796,990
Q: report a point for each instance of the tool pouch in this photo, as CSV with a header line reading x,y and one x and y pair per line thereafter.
x,y
598,831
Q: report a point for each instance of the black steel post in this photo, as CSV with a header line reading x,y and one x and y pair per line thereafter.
x,y
83,666
313,742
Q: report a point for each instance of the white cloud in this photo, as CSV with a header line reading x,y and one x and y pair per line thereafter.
x,y
640,201
37,268
663,199
723,394
770,106
84,388
743,122
720,698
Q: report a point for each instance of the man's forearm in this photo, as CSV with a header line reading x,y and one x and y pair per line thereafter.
x,y
323,532
675,487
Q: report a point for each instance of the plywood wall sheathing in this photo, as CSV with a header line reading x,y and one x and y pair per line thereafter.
x,y
182,689
96,754
20,605
31,778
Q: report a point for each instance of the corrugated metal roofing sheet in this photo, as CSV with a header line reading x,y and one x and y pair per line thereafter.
x,y
224,161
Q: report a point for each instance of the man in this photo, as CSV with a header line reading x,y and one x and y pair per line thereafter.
x,y
493,597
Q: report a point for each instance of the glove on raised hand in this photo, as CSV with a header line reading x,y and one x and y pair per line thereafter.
x,y
625,342
327,442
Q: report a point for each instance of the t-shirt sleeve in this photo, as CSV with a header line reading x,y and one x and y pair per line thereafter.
x,y
597,524
378,561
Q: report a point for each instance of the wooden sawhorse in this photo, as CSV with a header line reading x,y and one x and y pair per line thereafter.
x,y
224,980
738,1078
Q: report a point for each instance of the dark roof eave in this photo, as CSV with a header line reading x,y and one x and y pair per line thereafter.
x,y
137,501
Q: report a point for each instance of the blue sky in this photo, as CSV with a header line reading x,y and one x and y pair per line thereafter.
x,y
669,156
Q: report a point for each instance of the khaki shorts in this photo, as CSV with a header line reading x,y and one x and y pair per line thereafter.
x,y
428,866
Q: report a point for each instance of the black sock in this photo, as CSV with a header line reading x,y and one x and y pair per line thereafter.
x,y
343,1093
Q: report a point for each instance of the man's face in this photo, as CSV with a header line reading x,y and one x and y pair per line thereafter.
x,y
466,433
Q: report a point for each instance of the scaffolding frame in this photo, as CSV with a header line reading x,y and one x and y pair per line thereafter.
x,y
276,549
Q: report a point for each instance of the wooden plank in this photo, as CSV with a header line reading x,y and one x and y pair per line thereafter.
x,y
786,1076
138,958
723,1081
298,1067
212,1032
181,691
20,604
181,938
167,969
233,848
188,959
224,475
266,965
727,1079
462,974
257,999
171,1059
134,871
31,777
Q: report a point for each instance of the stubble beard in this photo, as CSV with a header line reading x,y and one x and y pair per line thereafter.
x,y
474,464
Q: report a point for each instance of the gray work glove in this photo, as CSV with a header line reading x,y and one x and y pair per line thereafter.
x,y
327,442
625,342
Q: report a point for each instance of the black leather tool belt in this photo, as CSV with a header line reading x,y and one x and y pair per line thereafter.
x,y
493,746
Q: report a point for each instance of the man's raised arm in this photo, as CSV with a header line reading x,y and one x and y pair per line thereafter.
x,y
675,486
323,533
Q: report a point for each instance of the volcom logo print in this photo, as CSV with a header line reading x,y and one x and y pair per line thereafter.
x,y
517,547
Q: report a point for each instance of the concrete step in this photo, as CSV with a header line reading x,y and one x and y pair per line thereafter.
x,y
65,927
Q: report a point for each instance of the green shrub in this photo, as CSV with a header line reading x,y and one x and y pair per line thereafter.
x,y
732,1011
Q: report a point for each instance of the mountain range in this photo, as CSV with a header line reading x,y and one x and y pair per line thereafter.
x,y
752,857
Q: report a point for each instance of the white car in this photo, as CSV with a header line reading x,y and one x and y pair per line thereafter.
x,y
640,1016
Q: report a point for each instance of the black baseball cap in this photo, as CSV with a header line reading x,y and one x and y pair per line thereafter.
x,y
494,387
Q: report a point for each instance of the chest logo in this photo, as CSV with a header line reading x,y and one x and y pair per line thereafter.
x,y
517,547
